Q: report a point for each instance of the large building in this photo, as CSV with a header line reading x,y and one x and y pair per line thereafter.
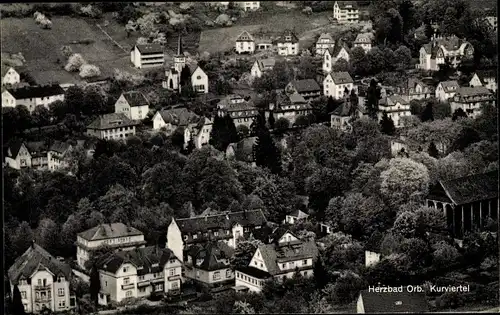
x,y
467,201
195,75
139,273
395,107
325,41
112,127
471,100
43,281
195,127
115,235
289,107
307,88
278,260
133,104
32,96
240,110
434,54
332,55
288,44
336,83
227,227
245,43
346,12
147,56
209,264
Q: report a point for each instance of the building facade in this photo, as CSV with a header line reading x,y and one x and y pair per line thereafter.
x,y
249,5
467,202
307,88
471,100
332,55
147,56
43,281
32,96
395,107
324,42
295,217
115,235
364,40
434,54
289,107
240,110
10,76
336,83
488,79
112,127
139,272
415,89
288,44
133,104
245,43
446,90
262,65
345,12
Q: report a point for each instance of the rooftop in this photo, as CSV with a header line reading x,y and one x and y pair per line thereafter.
x,y
394,302
150,49
36,91
111,121
107,231
307,85
473,91
135,98
245,37
341,77
214,255
472,188
180,116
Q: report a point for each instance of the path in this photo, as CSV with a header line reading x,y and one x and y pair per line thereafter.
x,y
111,38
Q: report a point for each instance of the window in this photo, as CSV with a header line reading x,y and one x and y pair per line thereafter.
x,y
171,272
60,279
159,287
175,285
60,292
216,275
228,273
198,77
62,303
261,265
125,269
283,266
304,262
128,294
142,290
216,233
39,281
126,280
141,278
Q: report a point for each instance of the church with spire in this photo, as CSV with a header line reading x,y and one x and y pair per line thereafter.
x,y
182,73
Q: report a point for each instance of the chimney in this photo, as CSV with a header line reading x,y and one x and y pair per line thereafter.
x,y
33,243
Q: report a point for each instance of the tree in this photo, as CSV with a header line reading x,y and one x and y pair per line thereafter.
x,y
404,180
47,234
222,87
387,125
341,65
190,145
324,184
458,113
466,137
372,98
88,71
74,98
243,253
75,61
41,116
66,51
243,131
282,124
185,78
427,113
95,285
320,274
17,303
266,152
271,120
433,151
306,68
223,132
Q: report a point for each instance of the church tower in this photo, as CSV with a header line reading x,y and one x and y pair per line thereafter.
x,y
179,58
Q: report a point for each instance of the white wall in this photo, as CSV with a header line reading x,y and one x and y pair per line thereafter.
x,y
11,77
199,77
245,46
174,240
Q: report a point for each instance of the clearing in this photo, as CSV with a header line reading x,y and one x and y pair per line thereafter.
x,y
41,48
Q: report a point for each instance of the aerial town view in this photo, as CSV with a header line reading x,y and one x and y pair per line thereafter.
x,y
258,157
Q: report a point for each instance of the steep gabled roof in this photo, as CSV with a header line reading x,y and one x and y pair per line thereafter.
x,y
307,85
449,86
5,69
34,258
472,188
37,148
341,77
59,146
391,100
283,38
486,74
326,36
363,38
265,64
109,121
344,110
151,259
223,221
36,91
106,231
15,147
335,50
213,255
394,302
299,214
244,37
135,98
180,116
273,254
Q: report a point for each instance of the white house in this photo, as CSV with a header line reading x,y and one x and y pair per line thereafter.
x,y
147,56
227,227
364,40
415,89
395,107
173,75
488,79
433,54
245,43
279,261
288,44
138,273
346,12
295,217
341,117
289,106
262,65
195,127
325,41
335,84
332,55
446,90
112,127
32,96
10,76
240,110
56,155
471,100
43,281
249,5
115,235
132,104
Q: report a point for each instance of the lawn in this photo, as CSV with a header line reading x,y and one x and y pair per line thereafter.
x,y
41,48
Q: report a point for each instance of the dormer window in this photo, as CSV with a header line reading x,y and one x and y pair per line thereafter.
x,y
195,236
60,279
125,269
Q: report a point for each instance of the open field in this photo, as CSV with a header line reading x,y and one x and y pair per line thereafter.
x,y
41,48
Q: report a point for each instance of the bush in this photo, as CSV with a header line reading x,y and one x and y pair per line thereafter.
x,y
88,71
450,300
75,61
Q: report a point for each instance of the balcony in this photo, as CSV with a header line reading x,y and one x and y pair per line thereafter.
x,y
128,286
174,277
42,287
43,298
